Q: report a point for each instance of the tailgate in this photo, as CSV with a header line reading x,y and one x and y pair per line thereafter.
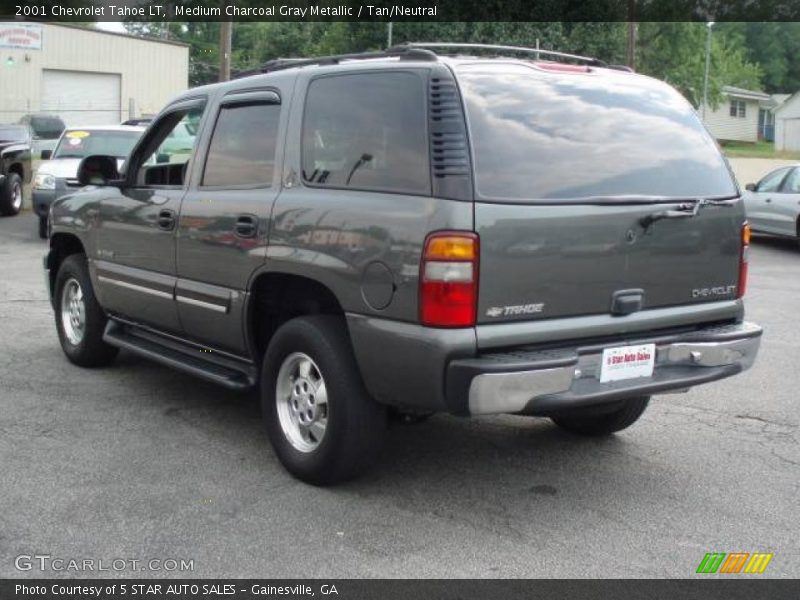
x,y
586,185
559,261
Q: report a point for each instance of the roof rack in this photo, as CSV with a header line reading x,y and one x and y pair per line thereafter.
x,y
418,51
406,52
504,49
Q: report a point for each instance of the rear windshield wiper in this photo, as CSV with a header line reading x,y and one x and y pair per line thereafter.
x,y
684,210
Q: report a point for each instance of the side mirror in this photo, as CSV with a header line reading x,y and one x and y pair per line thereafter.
x,y
162,158
750,187
98,170
46,154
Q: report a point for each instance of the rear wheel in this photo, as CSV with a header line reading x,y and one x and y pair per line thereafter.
x,y
79,319
11,195
321,422
604,423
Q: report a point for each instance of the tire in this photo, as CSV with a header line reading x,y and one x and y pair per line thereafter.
x,y
43,228
79,319
319,442
604,423
11,195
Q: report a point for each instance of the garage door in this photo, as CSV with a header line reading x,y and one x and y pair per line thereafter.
x,y
791,134
81,98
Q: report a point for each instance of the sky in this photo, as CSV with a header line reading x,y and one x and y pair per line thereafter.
x,y
111,26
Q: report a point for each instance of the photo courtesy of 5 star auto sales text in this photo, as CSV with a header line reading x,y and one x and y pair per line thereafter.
x,y
389,300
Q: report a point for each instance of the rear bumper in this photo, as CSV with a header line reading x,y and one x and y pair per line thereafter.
x,y
544,382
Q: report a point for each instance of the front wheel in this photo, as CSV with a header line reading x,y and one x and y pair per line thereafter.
x,y
321,422
604,423
80,320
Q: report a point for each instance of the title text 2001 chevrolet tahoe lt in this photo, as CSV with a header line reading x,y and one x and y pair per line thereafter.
x,y
467,234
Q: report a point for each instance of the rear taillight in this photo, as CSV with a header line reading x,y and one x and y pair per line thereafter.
x,y
448,288
743,259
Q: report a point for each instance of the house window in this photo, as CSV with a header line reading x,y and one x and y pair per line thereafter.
x,y
738,109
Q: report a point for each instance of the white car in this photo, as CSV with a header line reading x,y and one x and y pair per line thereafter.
x,y
773,204
54,175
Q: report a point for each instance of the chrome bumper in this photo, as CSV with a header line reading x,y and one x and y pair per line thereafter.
x,y
545,382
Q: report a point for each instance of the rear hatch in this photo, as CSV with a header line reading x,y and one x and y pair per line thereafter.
x,y
594,185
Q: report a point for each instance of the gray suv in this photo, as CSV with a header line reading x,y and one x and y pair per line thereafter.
x,y
418,230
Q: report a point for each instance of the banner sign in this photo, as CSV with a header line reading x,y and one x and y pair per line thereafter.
x,y
21,35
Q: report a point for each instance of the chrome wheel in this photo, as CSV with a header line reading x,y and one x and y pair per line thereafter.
x,y
73,311
302,402
16,197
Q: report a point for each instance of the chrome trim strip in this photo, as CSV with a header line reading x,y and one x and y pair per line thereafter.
x,y
201,304
135,287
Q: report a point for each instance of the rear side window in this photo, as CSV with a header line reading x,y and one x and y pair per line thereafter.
x,y
556,136
367,131
242,149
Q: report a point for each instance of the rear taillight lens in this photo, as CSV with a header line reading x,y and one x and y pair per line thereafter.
x,y
743,259
448,288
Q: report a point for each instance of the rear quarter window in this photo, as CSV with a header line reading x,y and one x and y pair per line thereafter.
x,y
367,131
557,136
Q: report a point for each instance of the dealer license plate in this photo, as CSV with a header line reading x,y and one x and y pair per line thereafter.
x,y
627,362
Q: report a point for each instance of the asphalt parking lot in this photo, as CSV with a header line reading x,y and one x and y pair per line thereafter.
x,y
137,461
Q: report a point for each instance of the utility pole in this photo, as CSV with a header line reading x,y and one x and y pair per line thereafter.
x,y
389,35
225,38
631,49
710,24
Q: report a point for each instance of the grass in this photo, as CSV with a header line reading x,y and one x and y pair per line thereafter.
x,y
756,150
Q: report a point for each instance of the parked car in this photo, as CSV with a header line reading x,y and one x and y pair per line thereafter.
x,y
44,131
138,122
57,175
15,167
333,236
773,204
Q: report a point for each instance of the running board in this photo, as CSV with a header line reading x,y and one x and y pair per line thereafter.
x,y
229,373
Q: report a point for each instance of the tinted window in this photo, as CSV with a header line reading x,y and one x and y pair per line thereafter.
x,y
772,182
48,128
367,131
242,150
76,143
552,136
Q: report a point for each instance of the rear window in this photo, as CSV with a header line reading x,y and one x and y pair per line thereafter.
x,y
544,136
79,144
48,128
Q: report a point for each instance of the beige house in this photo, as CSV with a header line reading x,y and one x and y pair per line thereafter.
x,y
86,76
737,116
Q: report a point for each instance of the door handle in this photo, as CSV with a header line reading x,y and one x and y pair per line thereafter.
x,y
166,219
246,226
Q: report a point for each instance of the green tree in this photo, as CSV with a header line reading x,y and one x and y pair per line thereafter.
x,y
675,52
